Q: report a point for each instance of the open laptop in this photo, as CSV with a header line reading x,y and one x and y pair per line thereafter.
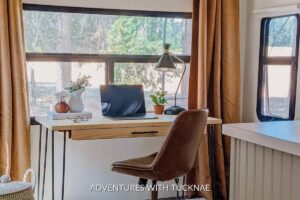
x,y
124,102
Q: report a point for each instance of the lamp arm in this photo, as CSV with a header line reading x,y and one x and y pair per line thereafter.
x,y
184,69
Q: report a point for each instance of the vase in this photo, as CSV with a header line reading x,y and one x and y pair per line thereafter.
x,y
76,102
61,107
158,109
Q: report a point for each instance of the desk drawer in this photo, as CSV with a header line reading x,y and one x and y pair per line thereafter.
x,y
112,133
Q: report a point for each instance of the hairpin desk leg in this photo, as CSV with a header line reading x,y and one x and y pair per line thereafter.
x,y
45,163
64,165
39,163
212,146
52,165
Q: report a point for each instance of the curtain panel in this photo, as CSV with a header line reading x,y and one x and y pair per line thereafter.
x,y
14,115
215,84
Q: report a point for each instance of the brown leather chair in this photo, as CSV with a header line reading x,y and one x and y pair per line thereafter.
x,y
177,155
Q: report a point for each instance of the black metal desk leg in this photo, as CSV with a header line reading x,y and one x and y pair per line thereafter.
x,y
45,163
39,163
64,165
52,165
212,146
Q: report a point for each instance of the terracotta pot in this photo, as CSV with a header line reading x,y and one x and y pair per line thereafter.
x,y
159,109
61,107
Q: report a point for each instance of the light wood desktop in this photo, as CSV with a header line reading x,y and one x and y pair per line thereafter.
x,y
101,128
105,128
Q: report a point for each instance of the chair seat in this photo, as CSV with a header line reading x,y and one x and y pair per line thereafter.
x,y
139,167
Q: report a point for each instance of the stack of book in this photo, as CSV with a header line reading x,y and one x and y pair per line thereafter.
x,y
60,116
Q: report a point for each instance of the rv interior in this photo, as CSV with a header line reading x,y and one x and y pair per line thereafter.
x,y
149,99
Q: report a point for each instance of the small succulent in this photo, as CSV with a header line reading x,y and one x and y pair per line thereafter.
x,y
81,82
159,98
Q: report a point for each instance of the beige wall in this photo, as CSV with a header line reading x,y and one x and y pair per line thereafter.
x,y
251,55
154,5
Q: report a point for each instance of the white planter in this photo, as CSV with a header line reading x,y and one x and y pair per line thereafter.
x,y
76,102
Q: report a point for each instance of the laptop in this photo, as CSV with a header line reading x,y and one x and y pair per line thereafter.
x,y
124,102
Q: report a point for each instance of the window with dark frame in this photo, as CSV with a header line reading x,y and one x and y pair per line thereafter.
x,y
111,46
278,62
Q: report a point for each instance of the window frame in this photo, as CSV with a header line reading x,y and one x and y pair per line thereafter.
x,y
264,60
108,59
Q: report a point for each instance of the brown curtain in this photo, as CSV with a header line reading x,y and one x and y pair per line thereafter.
x,y
14,116
215,83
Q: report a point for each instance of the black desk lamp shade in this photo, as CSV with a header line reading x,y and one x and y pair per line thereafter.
x,y
166,64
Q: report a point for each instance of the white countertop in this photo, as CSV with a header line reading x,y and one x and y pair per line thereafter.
x,y
283,136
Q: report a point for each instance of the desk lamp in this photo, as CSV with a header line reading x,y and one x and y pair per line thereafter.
x,y
166,64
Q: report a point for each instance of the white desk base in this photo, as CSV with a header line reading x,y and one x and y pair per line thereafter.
x,y
262,173
265,160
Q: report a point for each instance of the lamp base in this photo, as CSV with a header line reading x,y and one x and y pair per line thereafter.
x,y
174,110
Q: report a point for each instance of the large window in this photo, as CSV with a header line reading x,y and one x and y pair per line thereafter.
x,y
113,47
279,49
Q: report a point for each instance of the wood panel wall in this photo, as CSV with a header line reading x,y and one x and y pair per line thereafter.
x,y
262,173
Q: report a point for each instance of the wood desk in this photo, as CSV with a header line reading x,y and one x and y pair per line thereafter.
x,y
105,128
101,128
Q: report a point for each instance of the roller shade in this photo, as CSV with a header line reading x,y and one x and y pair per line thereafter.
x,y
148,5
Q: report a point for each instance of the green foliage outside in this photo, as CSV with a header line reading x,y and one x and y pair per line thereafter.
x,y
140,35
282,32
106,34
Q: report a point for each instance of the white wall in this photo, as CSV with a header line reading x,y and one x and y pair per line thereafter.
x,y
89,162
251,56
152,5
272,3
243,35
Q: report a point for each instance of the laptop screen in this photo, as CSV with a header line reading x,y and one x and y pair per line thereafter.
x,y
122,100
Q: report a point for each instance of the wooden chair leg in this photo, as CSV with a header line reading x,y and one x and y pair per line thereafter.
x,y
154,192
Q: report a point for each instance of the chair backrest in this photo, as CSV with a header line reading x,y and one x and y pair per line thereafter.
x,y
178,153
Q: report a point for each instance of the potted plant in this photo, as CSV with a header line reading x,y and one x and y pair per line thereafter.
x,y
76,89
159,100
